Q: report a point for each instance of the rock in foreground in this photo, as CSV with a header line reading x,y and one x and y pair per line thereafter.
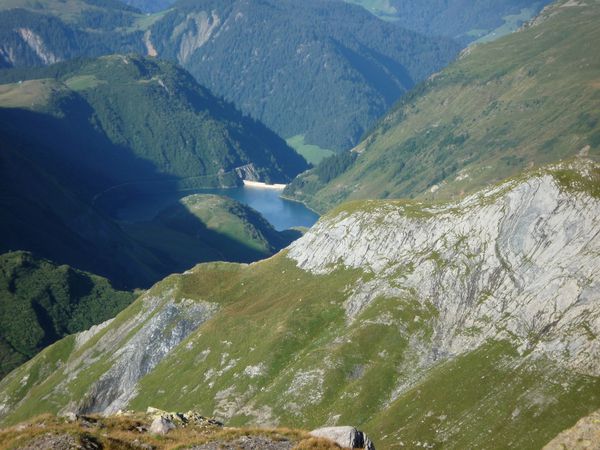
x,y
347,437
154,430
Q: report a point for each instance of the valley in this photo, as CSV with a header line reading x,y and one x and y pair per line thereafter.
x,y
226,223
501,108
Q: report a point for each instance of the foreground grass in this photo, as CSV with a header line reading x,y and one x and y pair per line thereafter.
x,y
130,431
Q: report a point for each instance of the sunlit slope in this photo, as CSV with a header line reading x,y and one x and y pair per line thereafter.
x,y
524,100
465,325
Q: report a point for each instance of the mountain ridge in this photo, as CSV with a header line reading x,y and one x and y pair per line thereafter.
x,y
369,336
501,108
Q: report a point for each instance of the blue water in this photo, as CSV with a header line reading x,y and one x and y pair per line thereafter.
x,y
282,214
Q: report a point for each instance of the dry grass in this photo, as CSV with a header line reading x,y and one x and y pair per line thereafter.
x,y
119,433
313,443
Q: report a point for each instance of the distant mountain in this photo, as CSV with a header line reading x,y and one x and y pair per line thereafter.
x,y
464,20
324,70
462,325
78,136
527,99
319,71
48,31
148,113
41,303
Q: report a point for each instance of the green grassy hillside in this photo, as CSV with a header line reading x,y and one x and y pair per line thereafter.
x,y
41,303
445,342
524,100
461,19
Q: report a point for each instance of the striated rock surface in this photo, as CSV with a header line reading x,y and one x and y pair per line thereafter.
x,y
516,261
36,43
162,330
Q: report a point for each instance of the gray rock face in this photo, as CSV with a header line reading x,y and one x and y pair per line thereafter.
x,y
346,437
159,335
518,261
161,425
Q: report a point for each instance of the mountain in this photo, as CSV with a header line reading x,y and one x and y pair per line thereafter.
x,y
463,20
80,136
41,303
155,119
525,100
44,32
469,324
336,71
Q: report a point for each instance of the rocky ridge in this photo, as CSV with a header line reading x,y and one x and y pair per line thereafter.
x,y
420,323
516,261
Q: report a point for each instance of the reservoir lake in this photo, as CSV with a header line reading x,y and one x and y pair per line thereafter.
x,y
281,213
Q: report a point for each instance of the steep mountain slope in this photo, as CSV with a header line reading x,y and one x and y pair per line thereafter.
x,y
78,136
463,325
41,212
324,70
41,302
461,19
149,112
527,99
338,69
44,32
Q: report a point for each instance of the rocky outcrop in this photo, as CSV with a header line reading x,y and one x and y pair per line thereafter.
x,y
161,425
247,172
518,261
345,437
161,332
35,42
194,32
585,435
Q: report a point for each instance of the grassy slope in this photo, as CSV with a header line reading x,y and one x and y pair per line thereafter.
x,y
280,351
462,19
41,302
524,100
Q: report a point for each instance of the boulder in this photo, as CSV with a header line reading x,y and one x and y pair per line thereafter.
x,y
161,425
346,437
